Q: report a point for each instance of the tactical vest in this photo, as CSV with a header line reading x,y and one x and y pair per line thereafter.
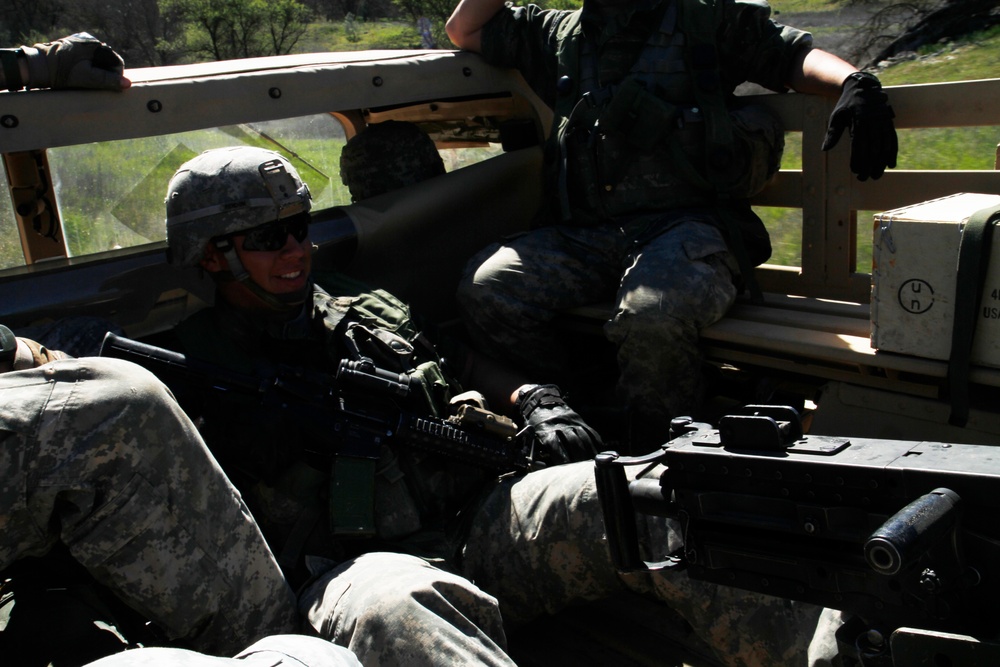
x,y
662,136
375,324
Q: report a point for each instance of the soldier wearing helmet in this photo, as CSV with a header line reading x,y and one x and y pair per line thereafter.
x,y
242,215
250,193
544,527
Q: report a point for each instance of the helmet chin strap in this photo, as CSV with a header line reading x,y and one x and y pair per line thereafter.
x,y
282,303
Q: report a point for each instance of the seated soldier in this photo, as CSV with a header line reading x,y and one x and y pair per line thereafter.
x,y
99,460
270,310
98,457
242,214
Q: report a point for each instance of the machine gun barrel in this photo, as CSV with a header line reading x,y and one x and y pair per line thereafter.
x,y
913,531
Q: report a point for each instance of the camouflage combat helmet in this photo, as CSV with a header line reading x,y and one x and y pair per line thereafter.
x,y
225,191
386,156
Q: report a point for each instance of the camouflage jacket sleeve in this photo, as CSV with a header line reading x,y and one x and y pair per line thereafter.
x,y
755,48
525,38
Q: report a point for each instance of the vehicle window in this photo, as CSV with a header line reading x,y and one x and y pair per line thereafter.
x,y
110,194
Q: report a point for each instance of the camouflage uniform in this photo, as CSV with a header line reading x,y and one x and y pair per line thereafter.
x,y
643,237
514,290
388,608
545,527
397,609
559,546
97,455
273,651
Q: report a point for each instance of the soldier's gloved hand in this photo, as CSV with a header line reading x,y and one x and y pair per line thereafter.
x,y
561,434
863,110
77,61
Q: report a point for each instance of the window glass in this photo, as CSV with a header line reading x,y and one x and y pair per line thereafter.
x,y
110,194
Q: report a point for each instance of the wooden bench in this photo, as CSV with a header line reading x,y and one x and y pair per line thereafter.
x,y
819,339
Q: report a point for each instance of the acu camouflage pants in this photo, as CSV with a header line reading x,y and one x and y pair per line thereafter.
x,y
273,651
667,276
96,454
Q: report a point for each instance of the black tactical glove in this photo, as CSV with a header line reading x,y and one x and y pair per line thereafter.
x,y
561,434
864,110
77,61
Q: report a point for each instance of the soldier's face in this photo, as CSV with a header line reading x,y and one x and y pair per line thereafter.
x,y
281,271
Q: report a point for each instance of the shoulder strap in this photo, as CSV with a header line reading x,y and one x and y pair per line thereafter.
x,y
973,260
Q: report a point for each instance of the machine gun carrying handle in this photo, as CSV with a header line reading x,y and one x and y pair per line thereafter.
x,y
769,427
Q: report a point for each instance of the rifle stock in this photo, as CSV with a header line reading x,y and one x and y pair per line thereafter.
x,y
900,534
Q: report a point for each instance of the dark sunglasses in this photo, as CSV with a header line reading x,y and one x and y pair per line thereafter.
x,y
273,235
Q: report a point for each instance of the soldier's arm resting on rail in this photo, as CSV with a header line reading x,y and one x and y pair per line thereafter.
x,y
76,61
862,109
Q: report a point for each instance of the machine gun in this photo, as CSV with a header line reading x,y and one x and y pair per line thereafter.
x,y
903,535
359,408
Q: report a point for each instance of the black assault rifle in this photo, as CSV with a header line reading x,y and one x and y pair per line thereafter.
x,y
903,535
360,407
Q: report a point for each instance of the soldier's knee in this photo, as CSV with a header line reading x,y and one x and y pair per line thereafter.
x,y
482,293
418,588
120,377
